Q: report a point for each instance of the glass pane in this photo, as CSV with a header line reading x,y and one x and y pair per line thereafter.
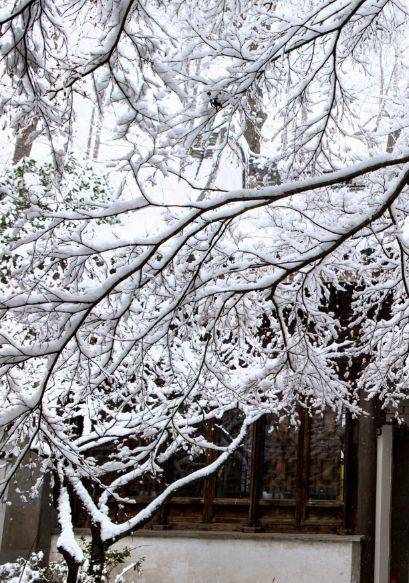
x,y
147,486
280,462
233,479
327,457
184,463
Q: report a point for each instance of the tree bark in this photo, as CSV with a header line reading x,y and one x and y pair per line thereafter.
x,y
253,128
98,556
367,460
72,566
24,141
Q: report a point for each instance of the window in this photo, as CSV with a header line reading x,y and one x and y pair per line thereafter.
x,y
184,464
327,455
281,478
280,462
303,474
233,479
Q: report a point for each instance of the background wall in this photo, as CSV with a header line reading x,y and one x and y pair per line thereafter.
x,y
25,522
208,557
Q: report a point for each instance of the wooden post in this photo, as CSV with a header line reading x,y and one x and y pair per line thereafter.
x,y
351,473
160,519
209,484
303,466
209,488
366,495
256,467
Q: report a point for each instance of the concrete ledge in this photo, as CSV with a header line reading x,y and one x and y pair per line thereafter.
x,y
229,535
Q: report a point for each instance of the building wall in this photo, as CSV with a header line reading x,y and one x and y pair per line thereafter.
x,y
25,522
209,557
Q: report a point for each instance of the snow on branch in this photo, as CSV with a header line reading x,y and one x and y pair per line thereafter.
x,y
256,247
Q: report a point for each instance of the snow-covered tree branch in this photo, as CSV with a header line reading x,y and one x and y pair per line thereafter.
x,y
134,318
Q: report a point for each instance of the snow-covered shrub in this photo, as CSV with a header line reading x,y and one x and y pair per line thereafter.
x,y
22,570
56,571
30,570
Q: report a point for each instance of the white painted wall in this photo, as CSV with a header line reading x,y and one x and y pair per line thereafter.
x,y
179,557
383,504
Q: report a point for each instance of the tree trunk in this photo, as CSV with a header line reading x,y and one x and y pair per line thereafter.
x,y
367,463
253,128
98,555
72,565
24,141
73,568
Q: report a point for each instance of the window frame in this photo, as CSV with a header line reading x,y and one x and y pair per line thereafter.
x,y
273,515
254,513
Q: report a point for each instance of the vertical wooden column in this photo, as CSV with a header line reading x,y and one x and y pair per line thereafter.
x,y
303,466
256,472
209,485
209,488
350,473
366,494
160,519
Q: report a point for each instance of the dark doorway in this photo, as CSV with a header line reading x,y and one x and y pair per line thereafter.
x,y
400,507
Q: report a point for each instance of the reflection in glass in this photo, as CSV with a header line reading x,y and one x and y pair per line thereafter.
x,y
149,486
280,462
184,463
327,458
233,479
